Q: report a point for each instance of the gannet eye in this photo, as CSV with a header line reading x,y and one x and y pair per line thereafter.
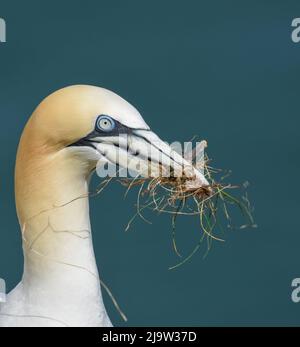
x,y
105,123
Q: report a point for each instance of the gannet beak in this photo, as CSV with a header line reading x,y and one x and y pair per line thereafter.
x,y
142,151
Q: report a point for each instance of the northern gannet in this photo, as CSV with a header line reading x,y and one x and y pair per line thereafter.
x,y
70,132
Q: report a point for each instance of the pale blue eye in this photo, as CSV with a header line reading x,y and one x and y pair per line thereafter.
x,y
105,123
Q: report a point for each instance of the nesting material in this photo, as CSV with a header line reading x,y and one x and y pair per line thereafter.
x,y
212,204
181,196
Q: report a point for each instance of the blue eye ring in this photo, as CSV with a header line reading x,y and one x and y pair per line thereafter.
x,y
105,123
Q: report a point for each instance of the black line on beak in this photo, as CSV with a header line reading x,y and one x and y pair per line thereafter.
x,y
152,144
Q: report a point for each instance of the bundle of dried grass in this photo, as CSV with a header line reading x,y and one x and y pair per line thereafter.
x,y
176,196
179,196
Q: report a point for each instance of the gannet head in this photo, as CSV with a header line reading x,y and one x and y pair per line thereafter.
x,y
96,125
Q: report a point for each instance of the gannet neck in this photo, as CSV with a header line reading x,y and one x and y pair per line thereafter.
x,y
60,280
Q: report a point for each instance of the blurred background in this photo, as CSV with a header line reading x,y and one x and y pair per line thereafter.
x,y
226,71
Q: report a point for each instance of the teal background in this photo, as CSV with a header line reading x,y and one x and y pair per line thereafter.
x,y
225,70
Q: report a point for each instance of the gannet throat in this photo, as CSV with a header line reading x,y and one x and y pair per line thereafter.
x,y
66,136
